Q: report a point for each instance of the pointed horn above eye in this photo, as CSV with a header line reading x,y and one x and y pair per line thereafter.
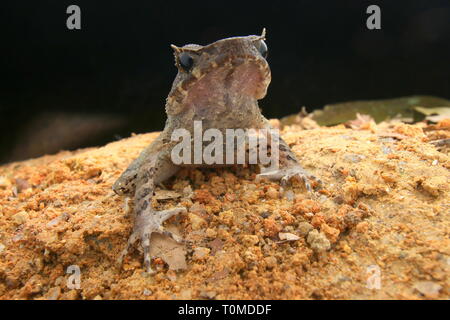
x,y
175,48
263,34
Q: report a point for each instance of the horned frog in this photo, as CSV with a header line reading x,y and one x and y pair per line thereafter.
x,y
219,84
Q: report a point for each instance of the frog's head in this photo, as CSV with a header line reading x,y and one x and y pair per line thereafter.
x,y
223,72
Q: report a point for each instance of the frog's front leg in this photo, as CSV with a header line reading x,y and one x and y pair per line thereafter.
x,y
288,165
148,220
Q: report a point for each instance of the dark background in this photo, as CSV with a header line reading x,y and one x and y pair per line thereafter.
x,y
65,89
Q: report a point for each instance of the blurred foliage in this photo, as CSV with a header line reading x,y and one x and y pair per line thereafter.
x,y
413,108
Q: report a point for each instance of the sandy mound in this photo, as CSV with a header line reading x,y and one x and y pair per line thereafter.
x,y
383,209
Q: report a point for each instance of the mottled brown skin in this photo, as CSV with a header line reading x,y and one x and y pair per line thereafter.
x,y
221,89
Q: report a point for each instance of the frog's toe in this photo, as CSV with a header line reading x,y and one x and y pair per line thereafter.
x,y
131,240
149,222
147,258
172,235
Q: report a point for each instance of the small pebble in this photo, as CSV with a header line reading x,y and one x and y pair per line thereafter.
x,y
58,219
4,183
186,294
211,233
318,241
208,294
272,193
200,253
265,214
22,184
354,158
289,195
20,217
53,293
288,236
304,228
250,240
386,150
58,281
428,288
147,292
197,222
271,262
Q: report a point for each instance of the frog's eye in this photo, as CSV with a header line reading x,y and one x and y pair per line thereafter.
x,y
262,48
186,61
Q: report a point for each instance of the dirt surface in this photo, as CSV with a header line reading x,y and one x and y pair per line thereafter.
x,y
383,209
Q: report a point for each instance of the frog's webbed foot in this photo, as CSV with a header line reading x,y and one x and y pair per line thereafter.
x,y
148,222
284,175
